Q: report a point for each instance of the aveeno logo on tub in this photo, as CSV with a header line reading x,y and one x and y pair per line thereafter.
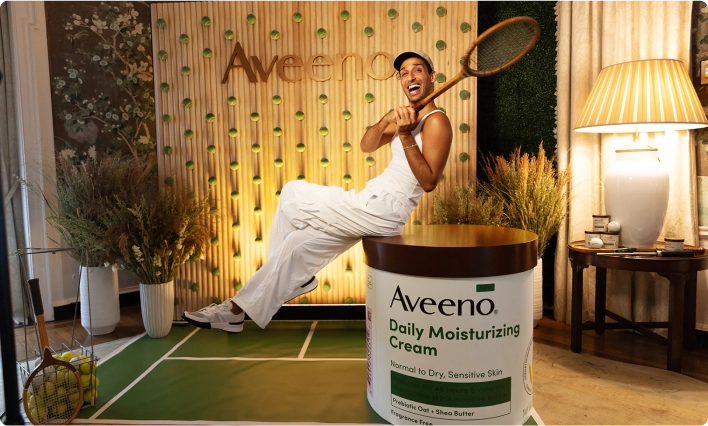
x,y
446,307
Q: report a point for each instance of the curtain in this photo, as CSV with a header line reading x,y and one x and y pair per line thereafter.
x,y
9,168
593,35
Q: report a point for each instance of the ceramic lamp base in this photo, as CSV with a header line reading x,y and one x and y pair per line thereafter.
x,y
637,195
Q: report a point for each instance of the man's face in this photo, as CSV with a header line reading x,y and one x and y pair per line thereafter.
x,y
416,81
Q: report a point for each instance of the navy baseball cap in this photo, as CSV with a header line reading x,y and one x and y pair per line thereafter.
x,y
412,54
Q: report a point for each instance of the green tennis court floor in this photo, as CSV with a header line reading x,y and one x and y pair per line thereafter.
x,y
291,372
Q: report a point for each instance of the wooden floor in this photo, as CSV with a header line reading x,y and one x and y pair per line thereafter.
x,y
616,345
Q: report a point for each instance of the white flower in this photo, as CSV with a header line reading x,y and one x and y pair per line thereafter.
x,y
107,264
179,246
67,117
119,81
108,115
125,116
144,140
141,48
89,106
157,260
96,58
115,116
158,273
115,26
73,73
61,84
114,267
140,114
106,46
77,22
92,154
103,63
67,153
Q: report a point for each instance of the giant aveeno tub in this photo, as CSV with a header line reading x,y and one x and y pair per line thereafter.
x,y
449,321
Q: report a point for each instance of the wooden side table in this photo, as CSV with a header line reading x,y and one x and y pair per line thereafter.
x,y
682,273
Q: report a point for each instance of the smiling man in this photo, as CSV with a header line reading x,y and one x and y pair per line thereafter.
x,y
314,224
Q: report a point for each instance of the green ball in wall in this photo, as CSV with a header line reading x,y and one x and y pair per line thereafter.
x,y
465,27
236,256
161,23
346,146
235,225
235,195
233,165
166,118
300,177
194,287
185,71
304,301
184,38
215,241
344,15
206,21
464,156
231,100
464,127
368,31
256,148
257,180
346,114
323,99
278,162
207,52
441,11
440,78
324,163
278,132
321,33
369,97
277,195
297,17
164,87
210,118
370,161
189,133
251,18
416,27
216,272
169,181
299,115
326,286
300,147
440,45
257,211
229,35
162,55
324,131
238,286
211,149
392,13
274,35
347,178
189,165
187,103
464,95
255,117
233,132
348,301
167,150
212,181
277,100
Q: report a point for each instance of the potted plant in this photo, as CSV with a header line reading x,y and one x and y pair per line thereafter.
x,y
85,187
153,237
535,198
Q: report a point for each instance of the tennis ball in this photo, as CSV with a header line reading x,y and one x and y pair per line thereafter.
x,y
346,146
89,394
71,378
60,409
297,17
67,356
207,53
161,23
85,380
275,35
212,181
206,21
61,391
49,389
321,33
74,397
299,115
62,377
347,178
233,165
256,148
229,35
278,162
190,165
31,401
235,195
344,15
251,18
300,147
53,378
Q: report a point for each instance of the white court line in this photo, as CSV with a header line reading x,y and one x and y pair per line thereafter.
x,y
307,341
536,417
120,349
145,373
236,358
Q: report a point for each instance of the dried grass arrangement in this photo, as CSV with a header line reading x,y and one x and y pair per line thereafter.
x,y
464,206
533,193
156,234
86,188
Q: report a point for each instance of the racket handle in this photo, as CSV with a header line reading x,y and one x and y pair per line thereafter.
x,y
439,91
38,312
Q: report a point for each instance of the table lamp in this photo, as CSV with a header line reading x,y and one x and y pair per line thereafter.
x,y
640,97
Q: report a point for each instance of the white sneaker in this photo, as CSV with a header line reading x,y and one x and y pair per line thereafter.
x,y
216,316
305,288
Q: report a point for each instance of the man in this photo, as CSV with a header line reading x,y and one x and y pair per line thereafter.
x,y
314,224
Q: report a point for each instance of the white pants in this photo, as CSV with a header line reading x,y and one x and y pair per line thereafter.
x,y
314,224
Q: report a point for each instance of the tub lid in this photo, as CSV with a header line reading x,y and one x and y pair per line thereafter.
x,y
453,251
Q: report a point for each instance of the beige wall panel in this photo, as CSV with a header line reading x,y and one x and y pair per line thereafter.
x,y
240,230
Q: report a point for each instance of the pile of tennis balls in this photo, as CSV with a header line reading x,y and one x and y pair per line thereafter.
x,y
47,397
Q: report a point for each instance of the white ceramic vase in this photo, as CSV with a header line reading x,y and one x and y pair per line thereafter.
x,y
537,292
637,195
98,293
157,303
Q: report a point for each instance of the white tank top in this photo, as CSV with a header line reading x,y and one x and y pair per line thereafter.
x,y
398,179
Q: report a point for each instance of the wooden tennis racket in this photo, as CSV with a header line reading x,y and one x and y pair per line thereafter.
x,y
495,50
53,393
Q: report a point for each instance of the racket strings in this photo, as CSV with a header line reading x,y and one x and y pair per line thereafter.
x,y
502,46
53,395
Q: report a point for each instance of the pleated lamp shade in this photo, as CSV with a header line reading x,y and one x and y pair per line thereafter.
x,y
652,95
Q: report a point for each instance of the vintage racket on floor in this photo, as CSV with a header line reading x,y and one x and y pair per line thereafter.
x,y
53,393
495,50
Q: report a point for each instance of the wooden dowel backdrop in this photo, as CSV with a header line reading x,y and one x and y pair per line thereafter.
x,y
289,121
